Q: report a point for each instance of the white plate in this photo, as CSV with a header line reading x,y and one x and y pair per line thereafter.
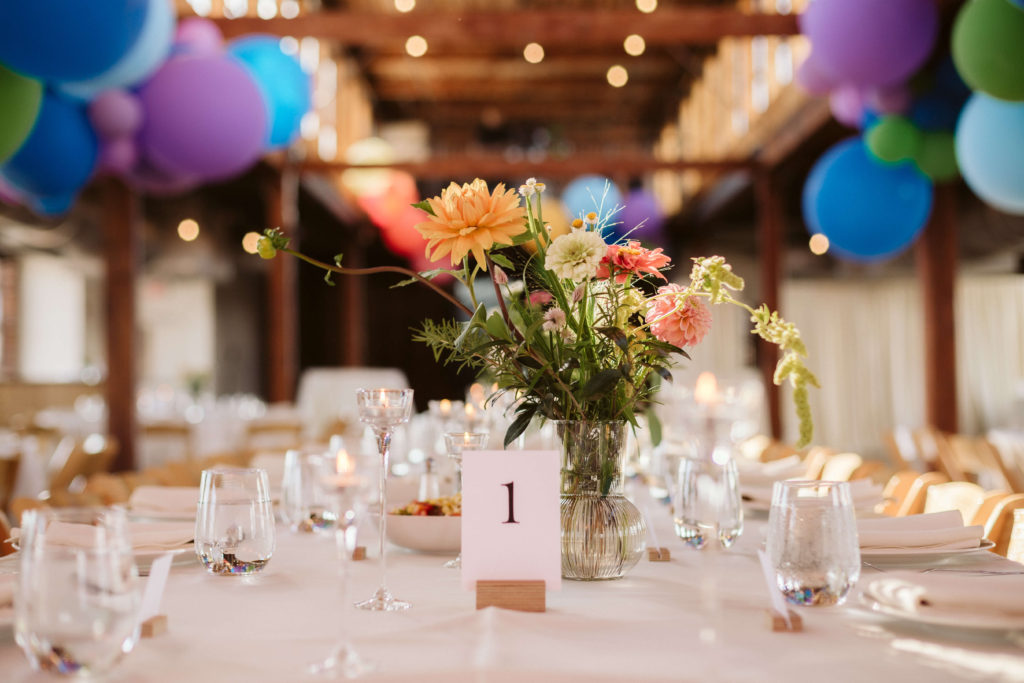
x,y
911,555
437,534
949,618
182,556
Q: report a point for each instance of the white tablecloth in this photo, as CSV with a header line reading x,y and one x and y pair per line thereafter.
x,y
645,627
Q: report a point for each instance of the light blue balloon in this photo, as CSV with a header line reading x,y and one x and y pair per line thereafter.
x,y
591,193
143,58
1017,3
285,87
869,210
990,151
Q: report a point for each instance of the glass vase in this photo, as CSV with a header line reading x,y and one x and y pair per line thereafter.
x,y
603,534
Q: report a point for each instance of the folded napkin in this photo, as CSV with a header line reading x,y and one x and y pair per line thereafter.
x,y
864,492
923,593
166,500
144,536
8,583
934,531
764,474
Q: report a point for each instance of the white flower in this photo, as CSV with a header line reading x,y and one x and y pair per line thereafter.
x,y
526,190
576,256
554,319
531,187
590,219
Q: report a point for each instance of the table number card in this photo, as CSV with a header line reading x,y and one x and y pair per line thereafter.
x,y
510,517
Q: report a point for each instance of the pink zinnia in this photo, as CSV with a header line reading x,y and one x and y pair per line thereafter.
x,y
540,297
682,322
632,259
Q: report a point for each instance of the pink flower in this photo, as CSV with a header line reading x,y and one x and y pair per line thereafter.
x,y
540,297
554,320
632,259
676,319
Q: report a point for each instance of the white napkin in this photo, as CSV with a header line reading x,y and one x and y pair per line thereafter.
x,y
144,536
180,501
934,531
864,492
761,474
8,584
921,593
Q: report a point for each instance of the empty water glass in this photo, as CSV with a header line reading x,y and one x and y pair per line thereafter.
x,y
304,504
708,507
812,541
235,521
77,598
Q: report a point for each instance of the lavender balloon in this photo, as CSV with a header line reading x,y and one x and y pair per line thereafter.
x,y
847,104
115,114
870,42
811,78
204,117
146,178
642,217
119,156
198,36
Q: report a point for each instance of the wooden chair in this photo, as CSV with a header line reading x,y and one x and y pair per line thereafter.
x,y
988,504
166,442
19,505
955,495
816,460
896,490
754,448
6,546
1006,463
904,451
281,434
85,460
8,478
936,449
999,527
1015,551
840,467
109,488
913,502
874,470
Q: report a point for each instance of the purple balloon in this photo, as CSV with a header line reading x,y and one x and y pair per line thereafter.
x,y
889,100
642,217
847,104
199,36
870,42
204,117
811,78
119,156
149,179
115,114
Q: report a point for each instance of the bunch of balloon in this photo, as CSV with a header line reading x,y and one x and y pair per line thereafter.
x,y
116,87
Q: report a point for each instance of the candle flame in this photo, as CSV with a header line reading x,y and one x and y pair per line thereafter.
x,y
470,410
706,390
446,405
343,463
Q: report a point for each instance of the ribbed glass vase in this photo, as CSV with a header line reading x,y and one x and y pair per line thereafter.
x,y
603,534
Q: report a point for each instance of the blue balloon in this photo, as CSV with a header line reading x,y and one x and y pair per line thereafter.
x,y
60,153
990,151
285,87
592,193
868,210
151,48
870,119
52,206
68,40
1018,3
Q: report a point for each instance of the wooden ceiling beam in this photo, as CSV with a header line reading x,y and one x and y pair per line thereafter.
x,y
450,67
667,26
584,93
517,111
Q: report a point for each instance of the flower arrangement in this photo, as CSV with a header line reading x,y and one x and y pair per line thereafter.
x,y
583,329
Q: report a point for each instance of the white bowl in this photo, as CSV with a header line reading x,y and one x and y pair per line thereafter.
x,y
437,534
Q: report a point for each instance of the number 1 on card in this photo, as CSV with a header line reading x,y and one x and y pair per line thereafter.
x,y
511,503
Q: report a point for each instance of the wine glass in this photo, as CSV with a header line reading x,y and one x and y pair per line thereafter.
x,y
383,410
342,486
77,599
454,444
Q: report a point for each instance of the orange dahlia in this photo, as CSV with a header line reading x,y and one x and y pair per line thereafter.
x,y
470,218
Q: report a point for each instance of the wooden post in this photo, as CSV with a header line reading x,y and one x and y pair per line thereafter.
x,y
282,291
936,266
769,237
122,258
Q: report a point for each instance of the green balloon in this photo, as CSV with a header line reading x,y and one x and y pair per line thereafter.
x,y
937,156
893,139
988,48
21,98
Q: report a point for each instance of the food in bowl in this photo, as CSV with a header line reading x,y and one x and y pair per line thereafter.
x,y
447,506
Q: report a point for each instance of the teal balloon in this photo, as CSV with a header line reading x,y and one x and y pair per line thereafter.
x,y
146,54
21,98
60,153
284,86
990,151
869,210
591,193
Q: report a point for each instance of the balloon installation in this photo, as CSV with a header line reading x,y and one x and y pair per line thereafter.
x,y
117,87
590,193
990,148
869,210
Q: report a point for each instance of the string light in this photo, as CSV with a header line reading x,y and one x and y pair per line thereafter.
x,y
618,76
533,53
818,244
416,46
634,45
405,5
647,6
188,230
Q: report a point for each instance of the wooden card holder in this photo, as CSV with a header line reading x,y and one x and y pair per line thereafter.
x,y
522,596
154,626
359,553
777,622
658,555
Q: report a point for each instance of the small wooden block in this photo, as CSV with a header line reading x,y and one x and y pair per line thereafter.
x,y
659,554
777,622
359,553
154,626
522,596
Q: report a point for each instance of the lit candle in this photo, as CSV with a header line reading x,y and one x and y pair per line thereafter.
x,y
344,467
706,391
445,407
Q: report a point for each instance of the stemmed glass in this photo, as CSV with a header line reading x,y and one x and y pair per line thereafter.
x,y
383,410
454,444
341,485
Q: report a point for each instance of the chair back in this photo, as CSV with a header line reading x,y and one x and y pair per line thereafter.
x,y
6,545
85,460
8,478
840,467
163,442
988,504
904,450
1015,551
815,461
896,490
999,527
955,495
913,502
